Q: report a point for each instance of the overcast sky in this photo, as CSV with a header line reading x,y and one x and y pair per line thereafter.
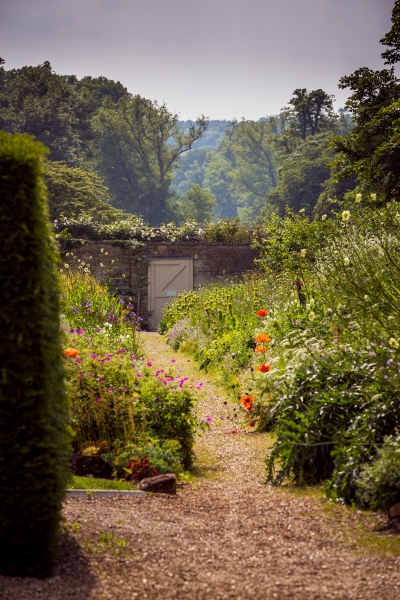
x,y
221,58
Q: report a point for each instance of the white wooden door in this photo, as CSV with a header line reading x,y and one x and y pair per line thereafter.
x,y
167,277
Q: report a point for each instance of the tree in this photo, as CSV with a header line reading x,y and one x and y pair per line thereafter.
x,y
150,134
37,101
312,112
392,38
371,151
72,190
302,175
254,173
197,205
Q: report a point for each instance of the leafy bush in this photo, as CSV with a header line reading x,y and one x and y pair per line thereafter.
x,y
33,412
378,484
134,462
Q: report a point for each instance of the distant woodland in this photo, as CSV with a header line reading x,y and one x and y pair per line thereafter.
x,y
111,151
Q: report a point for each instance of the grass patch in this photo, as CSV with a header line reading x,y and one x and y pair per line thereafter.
x,y
91,483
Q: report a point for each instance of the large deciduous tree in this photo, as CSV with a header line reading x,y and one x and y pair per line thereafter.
x,y
148,141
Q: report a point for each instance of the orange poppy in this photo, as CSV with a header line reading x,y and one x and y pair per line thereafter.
x,y
262,313
247,402
261,348
263,337
264,368
71,352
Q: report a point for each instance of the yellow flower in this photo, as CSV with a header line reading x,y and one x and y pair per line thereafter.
x,y
345,215
323,217
66,266
393,343
303,253
358,198
373,197
346,261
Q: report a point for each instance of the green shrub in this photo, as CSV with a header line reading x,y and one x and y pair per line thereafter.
x,y
33,414
378,484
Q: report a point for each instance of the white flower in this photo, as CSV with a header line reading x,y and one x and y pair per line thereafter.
x,y
67,254
346,261
366,297
323,217
312,302
86,270
373,197
311,316
102,250
101,264
358,198
66,266
345,215
393,343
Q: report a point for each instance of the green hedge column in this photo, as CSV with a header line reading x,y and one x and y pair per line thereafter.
x,y
33,412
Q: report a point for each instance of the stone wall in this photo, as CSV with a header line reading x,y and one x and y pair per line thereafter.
x,y
211,260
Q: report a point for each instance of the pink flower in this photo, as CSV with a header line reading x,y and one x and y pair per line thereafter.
x,y
173,360
149,364
97,400
78,361
80,332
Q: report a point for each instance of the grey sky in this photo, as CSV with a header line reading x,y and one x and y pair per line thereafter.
x,y
221,58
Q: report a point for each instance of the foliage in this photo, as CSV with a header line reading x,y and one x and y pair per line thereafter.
x,y
134,462
371,150
33,413
197,205
149,141
378,484
72,190
37,101
114,393
227,230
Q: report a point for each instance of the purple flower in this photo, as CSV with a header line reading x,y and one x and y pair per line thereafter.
x,y
100,380
389,362
98,330
78,361
63,328
63,295
72,330
124,389
149,364
110,389
139,375
173,360
80,332
97,400
209,420
157,400
75,310
372,353
198,387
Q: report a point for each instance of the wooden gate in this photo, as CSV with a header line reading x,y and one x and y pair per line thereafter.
x,y
167,277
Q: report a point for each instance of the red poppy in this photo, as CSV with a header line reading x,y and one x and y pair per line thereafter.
x,y
262,313
71,352
247,402
264,368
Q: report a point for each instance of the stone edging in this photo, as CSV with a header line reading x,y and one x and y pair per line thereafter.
x,y
102,493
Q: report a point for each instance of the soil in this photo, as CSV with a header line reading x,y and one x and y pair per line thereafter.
x,y
225,535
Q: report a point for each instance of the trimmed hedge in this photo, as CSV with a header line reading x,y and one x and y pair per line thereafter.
x,y
34,441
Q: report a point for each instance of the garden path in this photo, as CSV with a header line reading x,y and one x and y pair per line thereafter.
x,y
225,535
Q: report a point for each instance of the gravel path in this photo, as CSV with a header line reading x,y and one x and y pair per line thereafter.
x,y
226,535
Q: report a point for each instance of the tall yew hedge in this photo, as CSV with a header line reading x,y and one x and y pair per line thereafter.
x,y
33,412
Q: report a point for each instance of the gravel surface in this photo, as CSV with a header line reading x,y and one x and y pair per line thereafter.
x,y
226,535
